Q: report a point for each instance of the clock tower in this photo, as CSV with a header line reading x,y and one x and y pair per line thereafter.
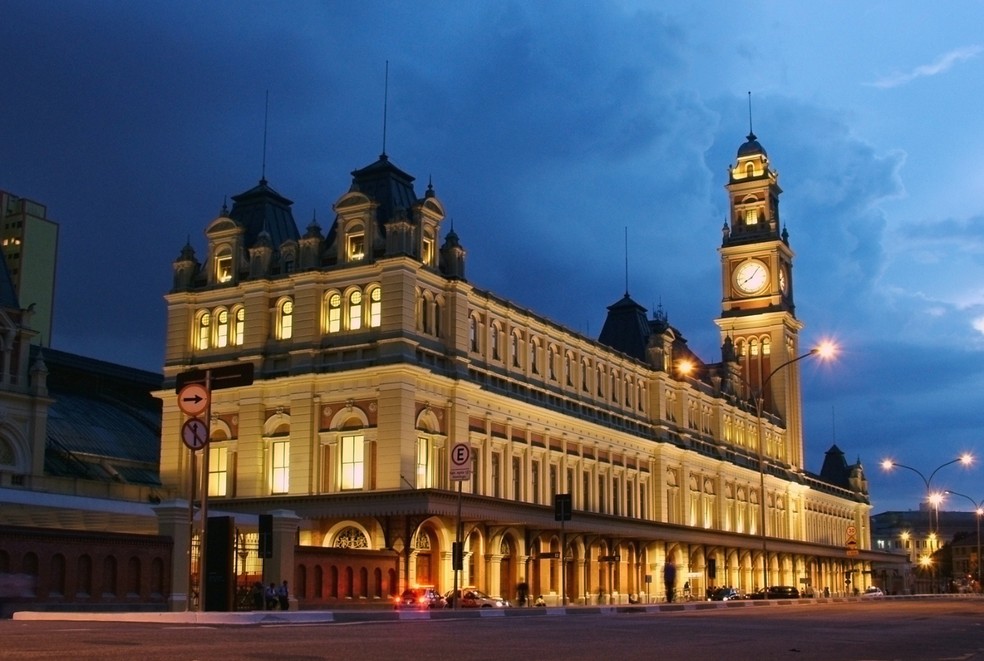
x,y
757,311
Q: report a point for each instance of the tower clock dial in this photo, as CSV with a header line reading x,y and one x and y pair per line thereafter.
x,y
751,277
783,284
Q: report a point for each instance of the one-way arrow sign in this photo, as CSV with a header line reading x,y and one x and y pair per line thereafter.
x,y
226,376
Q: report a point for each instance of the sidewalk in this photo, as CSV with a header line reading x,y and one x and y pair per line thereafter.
x,y
255,618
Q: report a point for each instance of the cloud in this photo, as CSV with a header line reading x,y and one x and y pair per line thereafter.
x,y
942,64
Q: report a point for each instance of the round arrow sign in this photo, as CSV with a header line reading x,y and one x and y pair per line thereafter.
x,y
194,433
193,399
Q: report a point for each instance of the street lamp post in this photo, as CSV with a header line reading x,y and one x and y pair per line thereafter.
x,y
966,459
979,511
825,350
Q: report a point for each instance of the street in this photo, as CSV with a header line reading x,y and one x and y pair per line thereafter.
x,y
865,630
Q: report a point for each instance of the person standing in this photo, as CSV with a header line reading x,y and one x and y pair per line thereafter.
x,y
270,596
669,579
283,596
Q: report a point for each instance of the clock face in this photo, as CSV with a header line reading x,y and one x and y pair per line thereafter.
x,y
751,277
782,280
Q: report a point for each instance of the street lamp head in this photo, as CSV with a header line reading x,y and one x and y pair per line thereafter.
x,y
966,459
887,464
935,498
825,350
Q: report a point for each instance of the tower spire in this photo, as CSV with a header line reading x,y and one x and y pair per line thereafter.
x,y
385,102
266,115
751,133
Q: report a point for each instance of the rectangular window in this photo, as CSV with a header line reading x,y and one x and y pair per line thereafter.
x,y
356,247
535,478
223,268
517,479
281,466
353,461
424,479
496,475
218,470
428,253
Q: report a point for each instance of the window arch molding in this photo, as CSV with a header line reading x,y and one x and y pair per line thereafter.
x,y
331,537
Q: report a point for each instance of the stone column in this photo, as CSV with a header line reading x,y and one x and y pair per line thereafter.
x,y
280,567
173,521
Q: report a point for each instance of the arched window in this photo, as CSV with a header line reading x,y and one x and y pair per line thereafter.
x,y
514,348
749,169
239,326
533,351
495,342
473,334
355,310
333,312
375,307
221,328
203,330
285,320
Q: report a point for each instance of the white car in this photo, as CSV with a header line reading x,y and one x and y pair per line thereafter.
x,y
872,592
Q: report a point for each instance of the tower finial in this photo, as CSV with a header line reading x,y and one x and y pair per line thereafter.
x,y
626,228
385,102
751,133
266,115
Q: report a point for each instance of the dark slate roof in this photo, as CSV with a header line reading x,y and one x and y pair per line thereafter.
x,y
626,328
104,423
751,147
835,469
387,185
262,209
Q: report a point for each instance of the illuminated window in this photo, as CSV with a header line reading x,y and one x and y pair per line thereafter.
x,y
223,267
334,315
751,217
428,255
204,330
280,481
218,470
239,327
222,328
285,325
355,310
424,472
356,247
353,461
766,347
375,307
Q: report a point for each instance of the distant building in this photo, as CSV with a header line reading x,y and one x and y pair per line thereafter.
x,y
29,240
380,370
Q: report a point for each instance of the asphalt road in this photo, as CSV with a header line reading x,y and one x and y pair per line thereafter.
x,y
859,631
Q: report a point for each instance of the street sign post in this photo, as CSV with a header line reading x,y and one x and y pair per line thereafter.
x,y
194,433
193,399
461,468
225,376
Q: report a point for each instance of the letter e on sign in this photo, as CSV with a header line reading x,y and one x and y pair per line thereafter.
x,y
460,462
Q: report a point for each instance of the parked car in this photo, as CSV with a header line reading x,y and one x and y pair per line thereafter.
x,y
724,594
776,592
872,592
420,598
471,598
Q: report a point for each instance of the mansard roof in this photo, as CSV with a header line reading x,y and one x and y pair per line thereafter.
x,y
626,328
263,209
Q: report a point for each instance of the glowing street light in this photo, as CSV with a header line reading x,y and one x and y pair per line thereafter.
x,y
933,498
979,510
824,351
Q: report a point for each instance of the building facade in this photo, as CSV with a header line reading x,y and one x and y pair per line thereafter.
x,y
30,247
374,357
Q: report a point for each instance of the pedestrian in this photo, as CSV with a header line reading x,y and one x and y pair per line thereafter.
x,y
522,592
271,596
282,596
257,593
669,579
